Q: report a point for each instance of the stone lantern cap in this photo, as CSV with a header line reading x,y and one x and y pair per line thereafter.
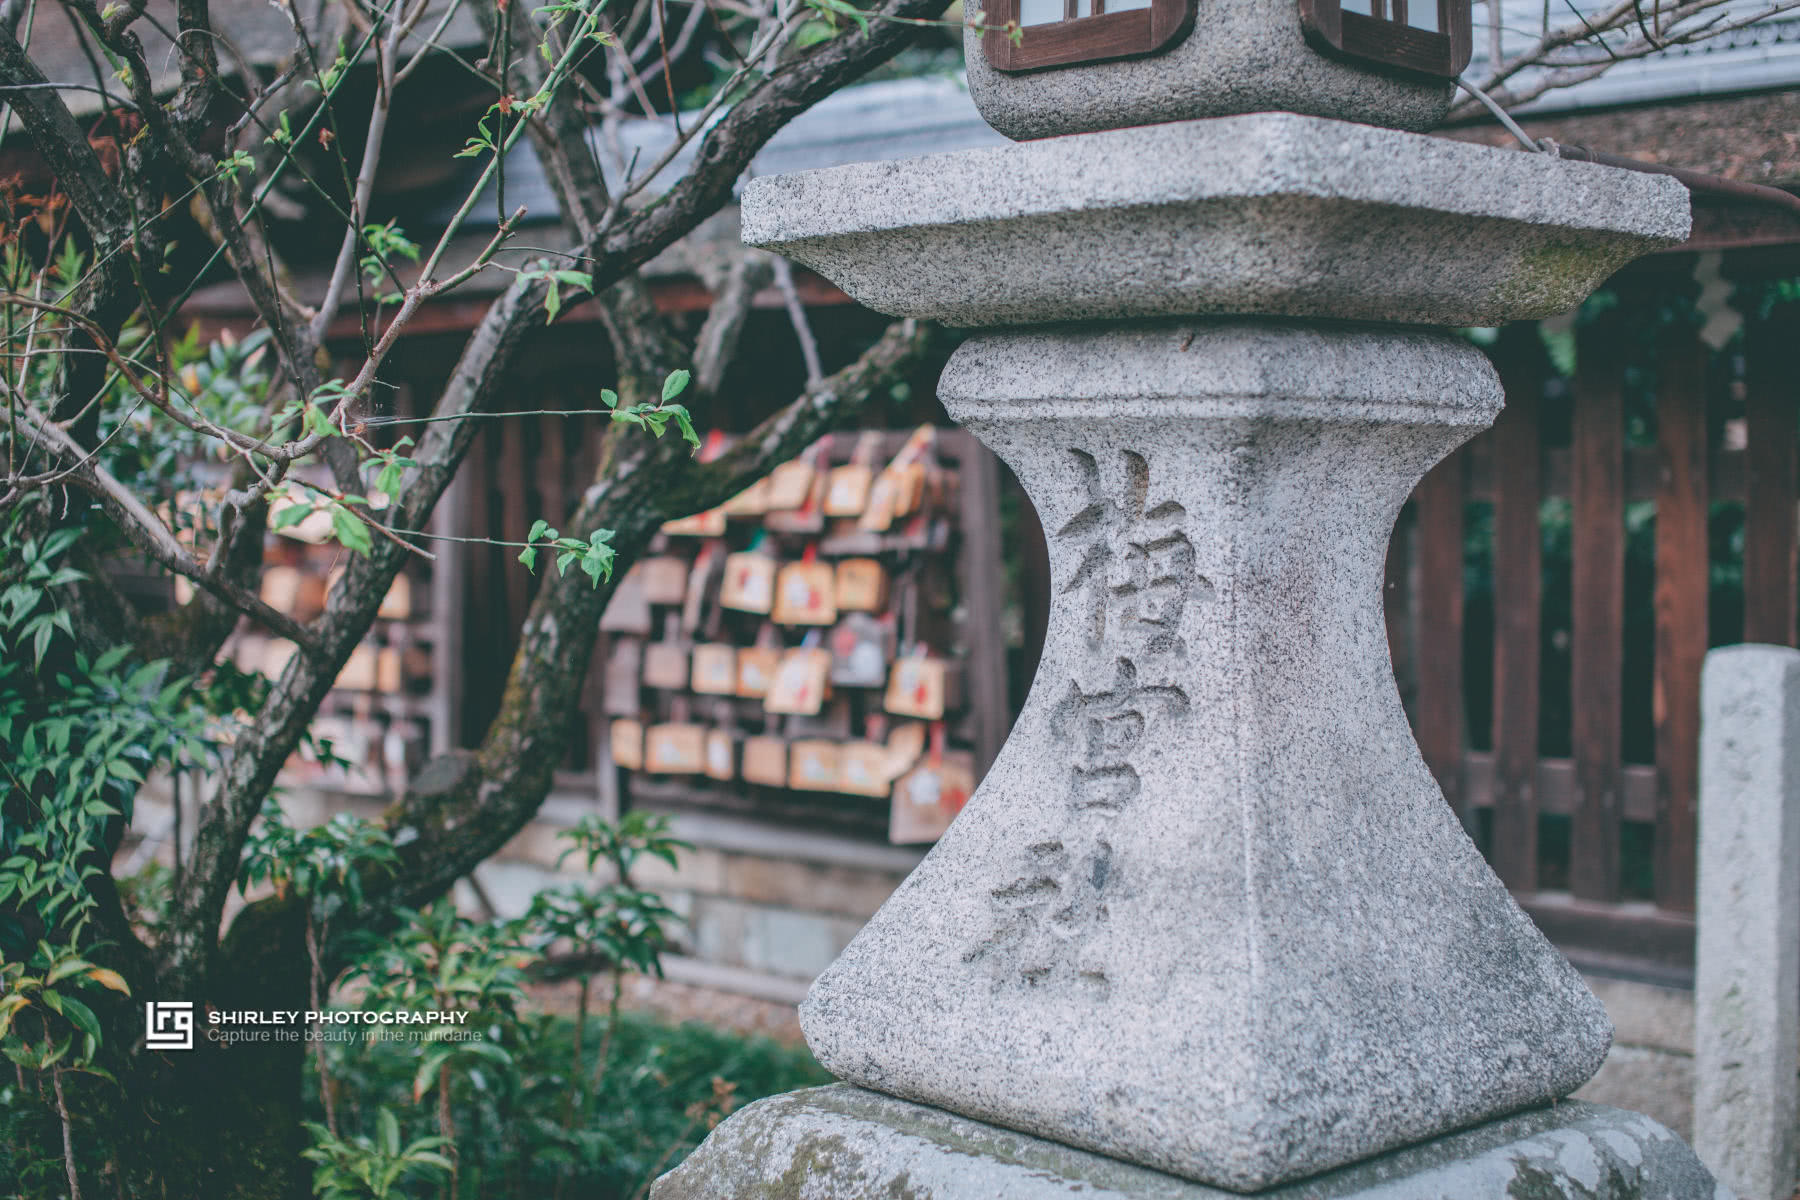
x,y
1266,214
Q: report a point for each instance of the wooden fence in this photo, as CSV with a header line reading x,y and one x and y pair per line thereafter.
x,y
1562,717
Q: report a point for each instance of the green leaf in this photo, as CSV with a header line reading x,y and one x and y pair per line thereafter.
x,y
674,385
609,397
292,515
390,1132
81,1016
684,422
424,1078
10,1004
812,33
317,421
351,533
528,556
540,528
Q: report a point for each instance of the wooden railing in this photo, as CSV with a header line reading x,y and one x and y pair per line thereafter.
x,y
1653,427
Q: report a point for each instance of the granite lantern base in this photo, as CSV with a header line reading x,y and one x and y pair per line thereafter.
x,y
1208,923
845,1143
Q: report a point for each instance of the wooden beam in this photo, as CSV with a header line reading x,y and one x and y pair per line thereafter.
x,y
1553,781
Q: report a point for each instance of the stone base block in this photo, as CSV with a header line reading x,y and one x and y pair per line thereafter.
x,y
845,1143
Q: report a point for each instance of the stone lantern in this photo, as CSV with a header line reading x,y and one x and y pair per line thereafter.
x,y
1208,923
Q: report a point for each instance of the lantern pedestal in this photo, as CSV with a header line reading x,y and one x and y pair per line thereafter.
x,y
1208,913
844,1143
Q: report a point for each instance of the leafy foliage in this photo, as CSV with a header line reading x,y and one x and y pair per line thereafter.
x,y
372,1168
327,864
77,738
664,1089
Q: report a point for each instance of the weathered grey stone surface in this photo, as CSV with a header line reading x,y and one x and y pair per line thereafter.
x,y
843,1143
1747,965
1269,213
1208,912
1243,56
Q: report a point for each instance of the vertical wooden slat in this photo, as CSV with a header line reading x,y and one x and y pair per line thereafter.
x,y
1439,531
980,570
552,475
1680,606
477,648
1597,606
514,524
1518,593
1772,396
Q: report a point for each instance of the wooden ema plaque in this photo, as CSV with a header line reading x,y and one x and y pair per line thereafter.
x,y
666,665
721,756
862,585
665,579
789,485
749,584
813,765
766,761
928,797
801,682
674,749
916,688
627,744
756,671
806,594
715,670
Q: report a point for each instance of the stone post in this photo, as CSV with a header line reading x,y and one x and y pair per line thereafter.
x,y
1747,968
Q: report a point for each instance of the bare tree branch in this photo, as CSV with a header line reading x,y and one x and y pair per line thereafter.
x,y
142,526
466,807
731,142
1574,52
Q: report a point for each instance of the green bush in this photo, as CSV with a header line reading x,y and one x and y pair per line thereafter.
x,y
663,1088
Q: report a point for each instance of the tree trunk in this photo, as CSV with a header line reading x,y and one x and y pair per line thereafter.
x,y
224,1120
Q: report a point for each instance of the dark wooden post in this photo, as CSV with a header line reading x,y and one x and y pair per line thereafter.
x,y
1598,605
1518,589
1771,402
1438,725
1680,605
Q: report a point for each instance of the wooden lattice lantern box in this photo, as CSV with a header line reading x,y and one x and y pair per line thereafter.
x,y
1042,68
1430,37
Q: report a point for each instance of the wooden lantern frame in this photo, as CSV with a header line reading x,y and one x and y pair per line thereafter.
x,y
1389,40
1077,39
